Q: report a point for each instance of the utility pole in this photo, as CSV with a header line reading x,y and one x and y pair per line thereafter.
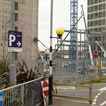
x,y
51,68
12,57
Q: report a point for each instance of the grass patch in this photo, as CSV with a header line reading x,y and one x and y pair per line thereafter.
x,y
83,83
95,81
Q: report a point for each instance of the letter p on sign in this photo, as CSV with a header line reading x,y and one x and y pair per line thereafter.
x,y
12,38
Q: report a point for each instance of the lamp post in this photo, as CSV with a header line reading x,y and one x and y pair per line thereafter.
x,y
50,61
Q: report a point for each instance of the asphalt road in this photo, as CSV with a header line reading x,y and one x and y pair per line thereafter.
x,y
99,95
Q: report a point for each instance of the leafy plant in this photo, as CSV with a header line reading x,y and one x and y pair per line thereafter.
x,y
24,74
4,66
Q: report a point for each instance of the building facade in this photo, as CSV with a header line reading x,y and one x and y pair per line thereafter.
x,y
26,21
96,15
97,24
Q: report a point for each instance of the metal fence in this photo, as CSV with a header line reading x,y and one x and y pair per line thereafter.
x,y
25,94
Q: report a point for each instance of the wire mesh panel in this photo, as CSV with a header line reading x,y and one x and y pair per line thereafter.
x,y
25,94
33,93
11,97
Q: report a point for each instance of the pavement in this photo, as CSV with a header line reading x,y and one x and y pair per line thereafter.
x,y
62,102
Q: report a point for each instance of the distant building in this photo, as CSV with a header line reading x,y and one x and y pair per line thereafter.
x,y
97,23
26,21
96,15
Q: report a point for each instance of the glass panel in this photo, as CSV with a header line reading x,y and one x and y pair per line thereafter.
x,y
104,14
96,15
100,22
16,5
103,21
96,8
100,0
100,7
95,23
103,6
16,16
100,29
100,14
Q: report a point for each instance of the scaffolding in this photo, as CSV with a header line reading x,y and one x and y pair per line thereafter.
x,y
73,35
63,64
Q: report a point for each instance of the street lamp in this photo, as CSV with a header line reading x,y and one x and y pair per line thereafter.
x,y
59,32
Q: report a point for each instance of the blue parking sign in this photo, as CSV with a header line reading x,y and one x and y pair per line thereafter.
x,y
14,41
1,98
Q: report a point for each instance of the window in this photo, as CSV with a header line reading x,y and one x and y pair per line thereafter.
x,y
100,14
96,8
90,16
16,5
91,29
95,23
103,6
103,21
100,29
95,1
91,9
16,16
104,14
88,24
91,23
100,22
16,28
95,29
90,2
103,28
96,15
100,7
99,38
100,0
88,9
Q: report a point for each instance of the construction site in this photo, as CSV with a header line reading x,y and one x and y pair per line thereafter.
x,y
79,56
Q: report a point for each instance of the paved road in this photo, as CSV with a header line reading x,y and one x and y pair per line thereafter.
x,y
99,95
62,102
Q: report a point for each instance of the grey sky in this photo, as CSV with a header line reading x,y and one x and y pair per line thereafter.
x,y
61,18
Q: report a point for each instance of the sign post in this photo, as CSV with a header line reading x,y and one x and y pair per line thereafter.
x,y
14,45
45,91
96,55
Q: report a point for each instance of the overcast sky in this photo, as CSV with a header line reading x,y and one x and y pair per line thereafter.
x,y
61,18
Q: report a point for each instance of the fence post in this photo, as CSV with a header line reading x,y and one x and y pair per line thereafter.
x,y
22,95
90,93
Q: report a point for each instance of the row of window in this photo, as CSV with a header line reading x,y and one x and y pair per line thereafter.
x,y
94,1
97,29
96,8
96,15
96,23
16,15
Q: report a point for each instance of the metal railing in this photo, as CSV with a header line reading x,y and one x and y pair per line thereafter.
x,y
25,94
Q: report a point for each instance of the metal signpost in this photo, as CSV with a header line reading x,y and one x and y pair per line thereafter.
x,y
14,45
96,55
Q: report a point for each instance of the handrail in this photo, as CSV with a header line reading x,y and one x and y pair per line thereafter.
x,y
20,84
